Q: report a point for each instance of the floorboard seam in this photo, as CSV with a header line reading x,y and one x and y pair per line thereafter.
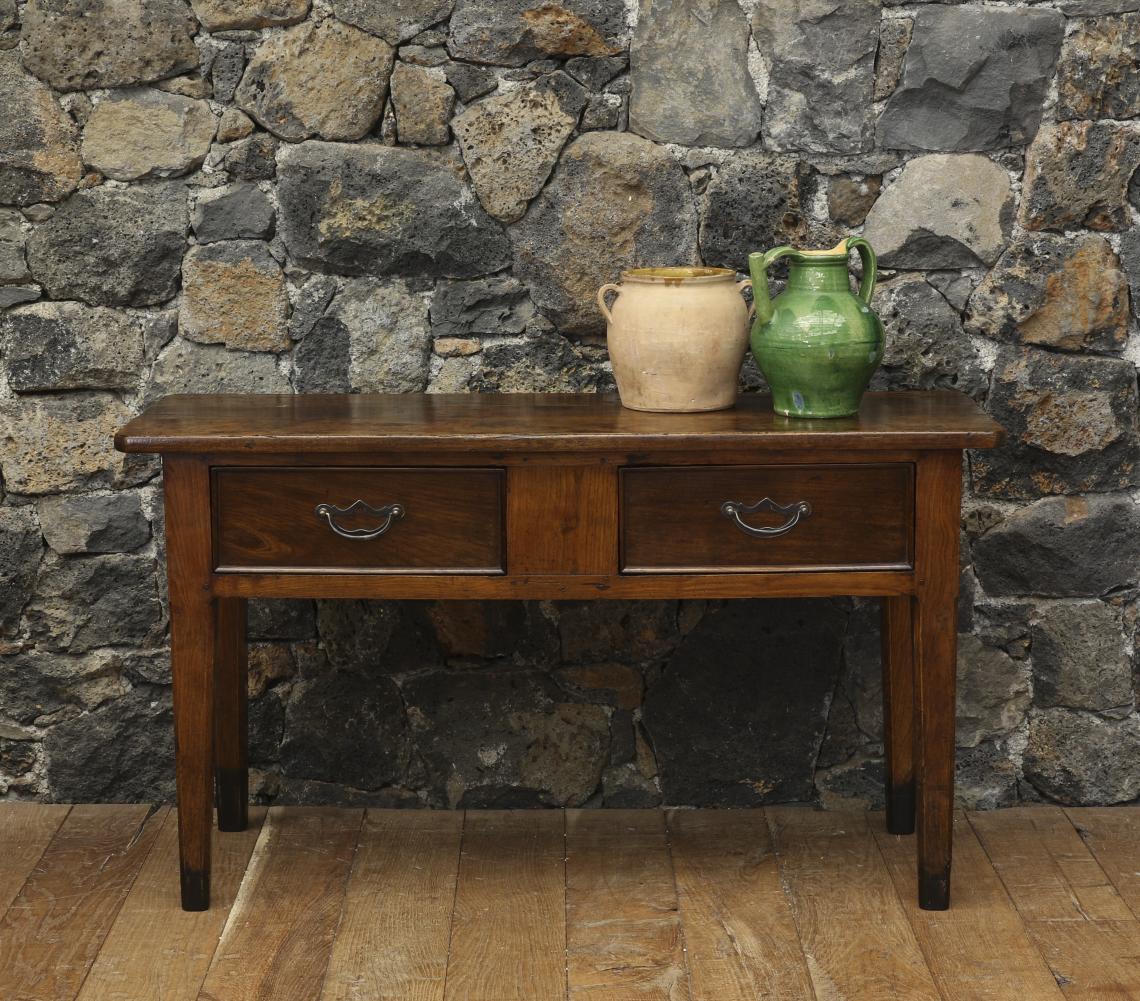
x,y
1037,946
343,902
130,886
565,907
258,859
923,952
668,832
35,865
1067,811
454,901
791,904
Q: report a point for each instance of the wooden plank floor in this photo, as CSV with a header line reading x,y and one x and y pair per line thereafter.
x,y
787,904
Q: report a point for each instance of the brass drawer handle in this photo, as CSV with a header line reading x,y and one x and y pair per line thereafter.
x,y
793,512
391,514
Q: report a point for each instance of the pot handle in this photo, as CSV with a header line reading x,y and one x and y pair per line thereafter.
x,y
740,287
609,287
870,267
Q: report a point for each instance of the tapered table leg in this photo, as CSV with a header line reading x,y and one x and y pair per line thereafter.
x,y
938,503
192,651
898,712
231,728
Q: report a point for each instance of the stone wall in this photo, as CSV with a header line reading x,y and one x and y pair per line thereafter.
x,y
411,195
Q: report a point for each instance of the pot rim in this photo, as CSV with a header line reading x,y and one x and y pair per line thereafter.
x,y
687,274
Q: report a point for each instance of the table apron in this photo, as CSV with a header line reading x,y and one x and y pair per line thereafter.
x,y
774,584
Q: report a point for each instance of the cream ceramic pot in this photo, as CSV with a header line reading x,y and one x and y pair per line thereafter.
x,y
677,337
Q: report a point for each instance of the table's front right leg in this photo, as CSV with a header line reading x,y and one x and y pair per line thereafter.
x,y
193,629
935,621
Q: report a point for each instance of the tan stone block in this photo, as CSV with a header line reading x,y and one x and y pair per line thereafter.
x,y
327,79
233,293
148,133
53,443
223,15
450,347
423,104
233,125
38,159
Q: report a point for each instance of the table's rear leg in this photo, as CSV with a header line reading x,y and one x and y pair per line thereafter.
x,y
898,712
192,652
938,505
231,728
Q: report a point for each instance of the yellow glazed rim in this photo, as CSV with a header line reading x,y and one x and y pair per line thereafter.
x,y
839,250
671,276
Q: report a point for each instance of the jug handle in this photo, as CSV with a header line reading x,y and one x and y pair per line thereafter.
x,y
609,287
740,287
772,256
870,267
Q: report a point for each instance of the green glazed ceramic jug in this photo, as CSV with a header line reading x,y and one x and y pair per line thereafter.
x,y
817,343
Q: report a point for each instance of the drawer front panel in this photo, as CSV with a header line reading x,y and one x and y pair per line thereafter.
x,y
851,517
408,520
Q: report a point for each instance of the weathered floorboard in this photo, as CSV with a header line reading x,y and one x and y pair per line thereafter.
x,y
978,950
25,831
1112,836
686,905
280,933
508,938
1046,868
55,926
129,966
740,936
1073,913
393,938
623,932
856,939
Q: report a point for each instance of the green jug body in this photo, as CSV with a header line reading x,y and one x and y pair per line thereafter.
x,y
818,343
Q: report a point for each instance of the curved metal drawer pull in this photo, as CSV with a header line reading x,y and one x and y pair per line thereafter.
x,y
793,512
391,514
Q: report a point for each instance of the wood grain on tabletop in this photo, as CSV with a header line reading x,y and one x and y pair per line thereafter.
x,y
553,421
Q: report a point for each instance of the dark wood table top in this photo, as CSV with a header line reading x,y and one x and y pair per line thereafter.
x,y
563,422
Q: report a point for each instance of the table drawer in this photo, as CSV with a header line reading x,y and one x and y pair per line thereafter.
x,y
755,518
359,519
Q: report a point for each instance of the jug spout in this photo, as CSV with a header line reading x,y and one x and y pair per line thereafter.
x,y
758,265
761,295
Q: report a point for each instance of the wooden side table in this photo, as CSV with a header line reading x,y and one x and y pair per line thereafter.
x,y
558,496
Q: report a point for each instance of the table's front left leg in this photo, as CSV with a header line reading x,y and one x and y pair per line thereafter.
x,y
938,505
193,633
231,726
